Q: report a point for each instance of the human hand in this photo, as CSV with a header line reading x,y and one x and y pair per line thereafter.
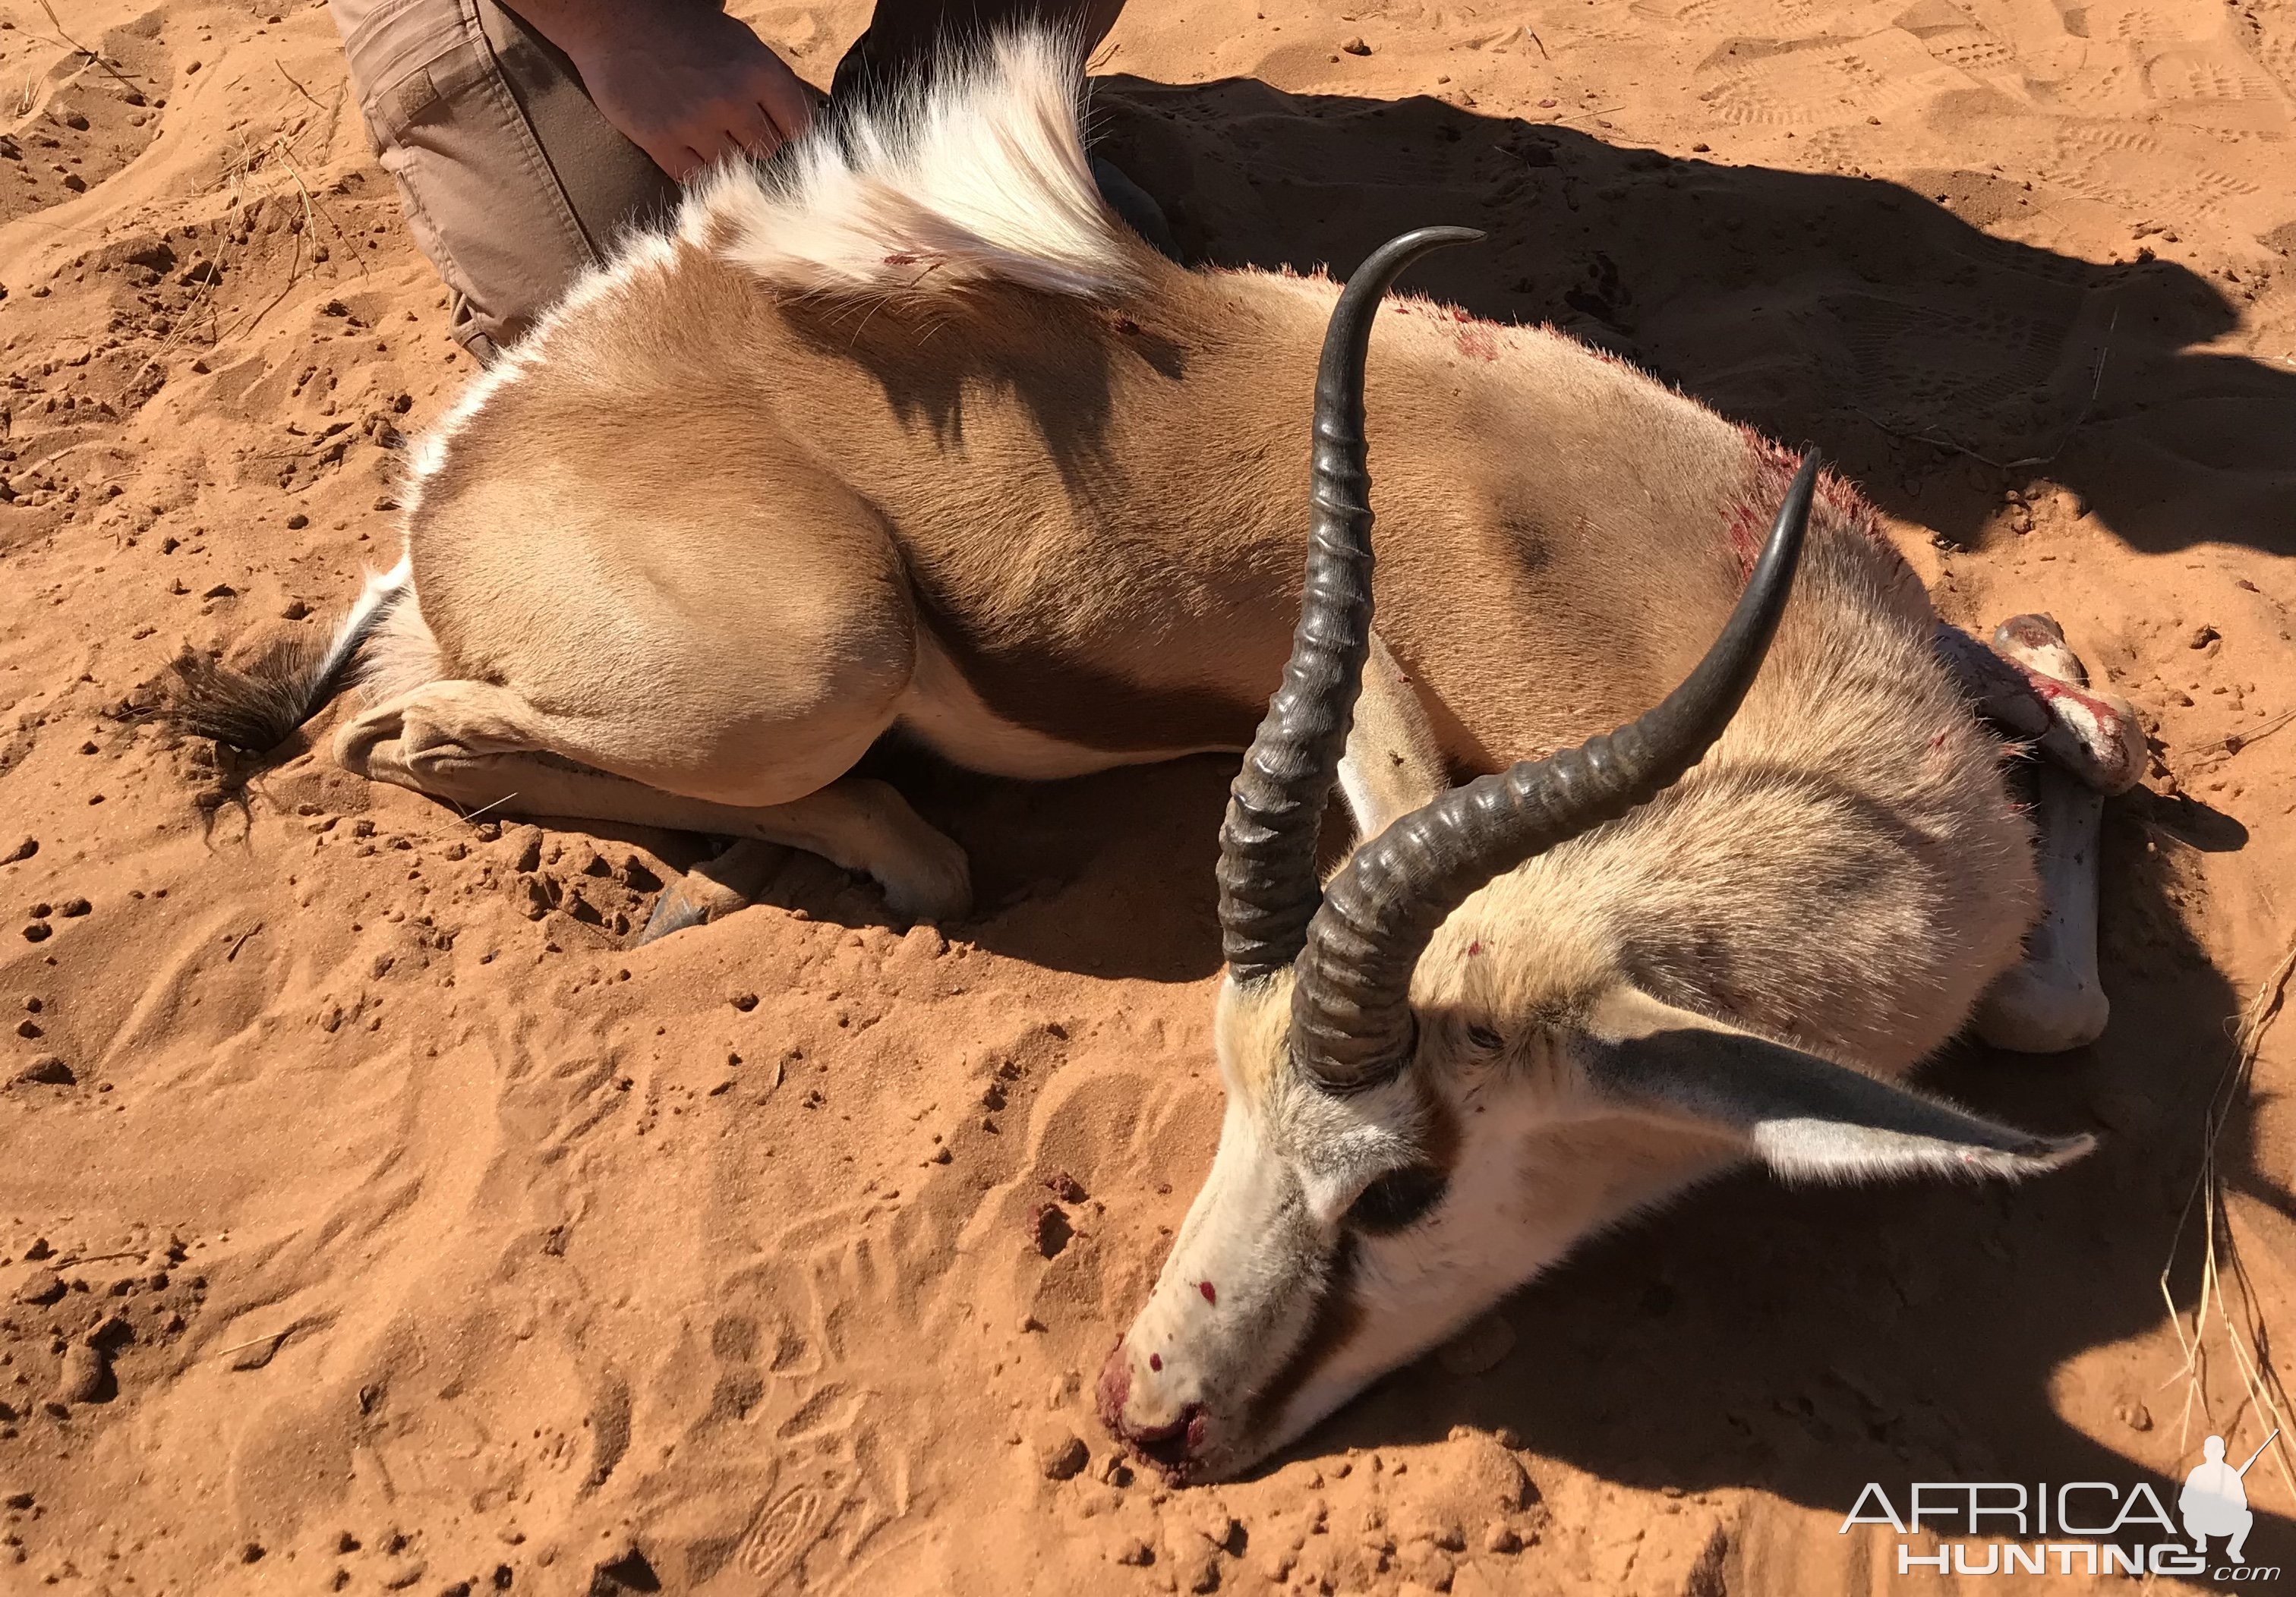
x,y
688,85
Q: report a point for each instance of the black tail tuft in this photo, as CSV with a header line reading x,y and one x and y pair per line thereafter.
x,y
254,707
257,707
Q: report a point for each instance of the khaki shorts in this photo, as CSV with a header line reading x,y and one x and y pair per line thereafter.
x,y
512,182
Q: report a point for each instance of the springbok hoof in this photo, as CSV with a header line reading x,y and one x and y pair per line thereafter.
x,y
930,883
940,897
712,890
677,908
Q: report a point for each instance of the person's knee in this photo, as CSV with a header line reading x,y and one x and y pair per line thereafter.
x,y
476,131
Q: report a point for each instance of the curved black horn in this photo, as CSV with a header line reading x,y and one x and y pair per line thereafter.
x,y
1267,889
1352,1023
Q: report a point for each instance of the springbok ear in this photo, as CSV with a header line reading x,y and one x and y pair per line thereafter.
x,y
1804,1117
1393,764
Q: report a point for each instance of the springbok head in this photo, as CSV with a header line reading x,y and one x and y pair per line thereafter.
x,y
1387,1170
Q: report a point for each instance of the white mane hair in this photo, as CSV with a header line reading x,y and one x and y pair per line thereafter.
x,y
978,175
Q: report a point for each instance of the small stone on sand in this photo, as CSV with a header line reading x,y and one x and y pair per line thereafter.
x,y
83,1371
1064,1456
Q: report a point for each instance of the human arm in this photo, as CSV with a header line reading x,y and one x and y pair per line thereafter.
x,y
680,79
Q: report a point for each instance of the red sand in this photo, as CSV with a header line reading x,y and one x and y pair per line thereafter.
x,y
453,1245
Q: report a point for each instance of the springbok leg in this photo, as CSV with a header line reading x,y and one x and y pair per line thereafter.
x,y
2053,1001
479,744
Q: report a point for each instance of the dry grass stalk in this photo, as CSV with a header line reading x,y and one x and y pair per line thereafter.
x,y
2234,1318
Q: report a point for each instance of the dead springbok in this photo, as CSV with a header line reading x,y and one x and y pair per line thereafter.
x,y
906,433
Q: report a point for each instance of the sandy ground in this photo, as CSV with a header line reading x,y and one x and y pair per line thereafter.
x,y
376,1223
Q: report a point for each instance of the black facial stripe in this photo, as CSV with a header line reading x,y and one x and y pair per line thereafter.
x,y
1338,1317
1399,1200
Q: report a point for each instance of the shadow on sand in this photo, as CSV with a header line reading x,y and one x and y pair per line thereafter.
x,y
1852,313
1805,1342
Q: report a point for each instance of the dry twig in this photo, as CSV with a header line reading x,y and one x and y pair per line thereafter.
x,y
2234,742
298,87
483,809
79,49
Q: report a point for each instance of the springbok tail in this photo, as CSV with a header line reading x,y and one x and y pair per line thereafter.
x,y
254,707
974,177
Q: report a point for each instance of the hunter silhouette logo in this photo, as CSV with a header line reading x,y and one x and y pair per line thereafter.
x,y
2084,1528
2215,1504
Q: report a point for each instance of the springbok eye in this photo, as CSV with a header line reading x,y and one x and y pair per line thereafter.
x,y
1399,1198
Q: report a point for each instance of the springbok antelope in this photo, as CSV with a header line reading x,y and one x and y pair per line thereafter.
x,y
904,432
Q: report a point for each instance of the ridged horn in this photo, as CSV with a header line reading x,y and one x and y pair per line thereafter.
x,y
1351,1024
1268,886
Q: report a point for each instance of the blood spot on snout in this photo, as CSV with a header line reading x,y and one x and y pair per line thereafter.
x,y
1206,1288
1156,1361
1475,947
1115,1387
